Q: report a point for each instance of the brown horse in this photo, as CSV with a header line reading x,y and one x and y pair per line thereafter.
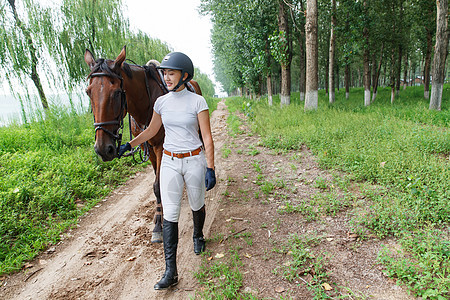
x,y
116,88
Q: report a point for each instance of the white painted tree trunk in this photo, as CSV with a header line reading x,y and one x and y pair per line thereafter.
x,y
311,100
367,97
285,100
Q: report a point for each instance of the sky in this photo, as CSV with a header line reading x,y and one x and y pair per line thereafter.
x,y
179,24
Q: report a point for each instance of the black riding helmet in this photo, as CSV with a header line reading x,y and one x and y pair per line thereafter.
x,y
178,61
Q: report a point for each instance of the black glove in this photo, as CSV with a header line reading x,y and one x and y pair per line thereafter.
x,y
123,148
210,178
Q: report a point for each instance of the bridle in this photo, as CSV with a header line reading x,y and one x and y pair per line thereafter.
x,y
117,135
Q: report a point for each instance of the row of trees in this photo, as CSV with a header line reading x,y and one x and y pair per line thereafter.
x,y
42,42
322,43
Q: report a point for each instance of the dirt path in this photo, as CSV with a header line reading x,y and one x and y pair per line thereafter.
x,y
109,255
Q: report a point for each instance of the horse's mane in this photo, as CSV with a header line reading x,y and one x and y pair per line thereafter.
x,y
150,68
101,66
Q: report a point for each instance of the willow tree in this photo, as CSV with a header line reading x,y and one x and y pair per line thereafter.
x,y
85,24
23,33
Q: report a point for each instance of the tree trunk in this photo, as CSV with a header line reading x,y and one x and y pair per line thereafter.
x,y
405,72
312,79
377,75
326,75
331,59
426,72
399,69
337,81
302,84
440,54
269,89
366,62
285,95
347,79
33,55
392,84
302,55
400,50
269,75
374,72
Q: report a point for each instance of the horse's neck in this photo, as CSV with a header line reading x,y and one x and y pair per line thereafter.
x,y
140,104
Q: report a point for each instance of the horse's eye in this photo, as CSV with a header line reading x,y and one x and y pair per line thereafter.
x,y
117,95
88,92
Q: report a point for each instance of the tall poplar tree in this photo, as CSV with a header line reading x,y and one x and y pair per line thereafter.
x,y
440,54
312,79
332,52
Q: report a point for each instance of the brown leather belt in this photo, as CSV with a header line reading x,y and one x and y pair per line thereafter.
x,y
183,155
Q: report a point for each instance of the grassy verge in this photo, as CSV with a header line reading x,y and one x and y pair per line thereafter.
x,y
402,148
50,176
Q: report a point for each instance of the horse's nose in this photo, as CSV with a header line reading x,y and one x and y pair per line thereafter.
x,y
111,151
106,152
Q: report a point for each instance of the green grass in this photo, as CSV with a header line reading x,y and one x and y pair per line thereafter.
x,y
222,278
402,148
301,261
48,167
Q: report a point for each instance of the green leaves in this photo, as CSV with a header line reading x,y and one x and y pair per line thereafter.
x,y
279,47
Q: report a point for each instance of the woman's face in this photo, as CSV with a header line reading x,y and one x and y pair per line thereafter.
x,y
172,77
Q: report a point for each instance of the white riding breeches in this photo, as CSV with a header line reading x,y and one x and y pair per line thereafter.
x,y
175,173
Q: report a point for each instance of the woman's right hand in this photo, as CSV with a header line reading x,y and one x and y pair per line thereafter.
x,y
123,148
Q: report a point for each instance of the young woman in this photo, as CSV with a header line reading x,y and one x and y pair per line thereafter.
x,y
184,161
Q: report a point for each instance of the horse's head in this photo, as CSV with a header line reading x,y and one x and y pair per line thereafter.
x,y
108,102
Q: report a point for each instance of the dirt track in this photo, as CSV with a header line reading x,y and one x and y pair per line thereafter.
x,y
109,256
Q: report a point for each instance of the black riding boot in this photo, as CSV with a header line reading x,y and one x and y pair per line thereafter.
x,y
170,240
199,221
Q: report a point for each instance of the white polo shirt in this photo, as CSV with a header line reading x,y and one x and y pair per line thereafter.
x,y
178,111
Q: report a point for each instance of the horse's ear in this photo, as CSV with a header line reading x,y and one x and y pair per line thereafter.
x,y
89,58
120,59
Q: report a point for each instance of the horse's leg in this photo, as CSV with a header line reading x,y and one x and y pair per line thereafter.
x,y
157,231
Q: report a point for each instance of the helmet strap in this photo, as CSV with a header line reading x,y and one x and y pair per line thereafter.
x,y
180,83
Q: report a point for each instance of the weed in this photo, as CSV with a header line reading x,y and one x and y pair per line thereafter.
x,y
267,187
226,152
221,279
302,261
253,151
257,166
321,183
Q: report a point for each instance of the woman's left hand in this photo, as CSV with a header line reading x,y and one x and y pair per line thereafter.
x,y
210,178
